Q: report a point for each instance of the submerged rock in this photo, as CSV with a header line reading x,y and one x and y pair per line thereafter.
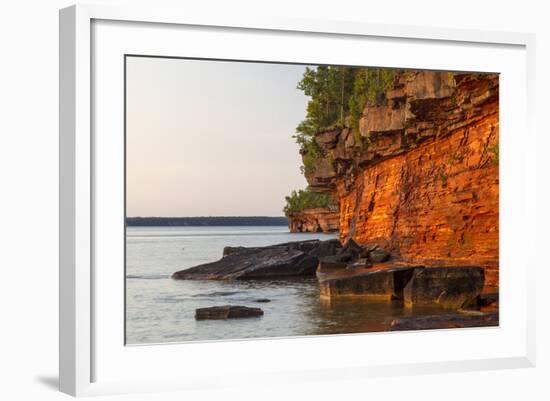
x,y
227,312
262,300
275,261
450,287
445,321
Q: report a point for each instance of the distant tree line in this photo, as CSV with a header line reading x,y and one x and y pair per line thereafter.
x,y
305,199
207,221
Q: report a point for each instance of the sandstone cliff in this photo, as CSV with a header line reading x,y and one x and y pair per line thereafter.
x,y
420,177
314,220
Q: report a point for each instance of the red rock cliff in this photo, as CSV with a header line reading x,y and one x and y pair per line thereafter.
x,y
314,220
422,177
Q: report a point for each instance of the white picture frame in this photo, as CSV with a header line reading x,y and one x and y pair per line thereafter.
x,y
83,344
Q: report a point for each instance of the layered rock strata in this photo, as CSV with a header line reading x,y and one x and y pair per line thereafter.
x,y
314,220
421,176
292,259
447,287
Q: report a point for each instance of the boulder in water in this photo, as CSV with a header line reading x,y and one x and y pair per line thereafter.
x,y
227,312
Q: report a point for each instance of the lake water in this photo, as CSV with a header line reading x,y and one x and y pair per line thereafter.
x,y
159,309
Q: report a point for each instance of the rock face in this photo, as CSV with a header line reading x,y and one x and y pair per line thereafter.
x,y
314,220
384,284
227,312
449,287
423,181
276,261
445,321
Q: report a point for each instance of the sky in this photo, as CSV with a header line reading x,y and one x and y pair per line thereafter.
x,y
211,138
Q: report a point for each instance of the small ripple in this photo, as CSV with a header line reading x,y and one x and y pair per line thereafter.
x,y
146,277
216,294
171,299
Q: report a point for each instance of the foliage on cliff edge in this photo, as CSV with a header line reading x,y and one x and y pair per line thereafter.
x,y
338,96
305,199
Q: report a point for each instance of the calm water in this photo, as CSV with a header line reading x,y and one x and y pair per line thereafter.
x,y
160,309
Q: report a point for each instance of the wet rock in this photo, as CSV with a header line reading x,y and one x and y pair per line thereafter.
x,y
445,321
276,261
263,300
227,312
450,287
385,284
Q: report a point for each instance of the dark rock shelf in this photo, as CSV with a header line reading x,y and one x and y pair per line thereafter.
x,y
227,312
292,259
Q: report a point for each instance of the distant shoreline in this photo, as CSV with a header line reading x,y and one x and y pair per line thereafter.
x,y
220,221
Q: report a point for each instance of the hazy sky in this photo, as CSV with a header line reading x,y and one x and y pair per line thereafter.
x,y
211,138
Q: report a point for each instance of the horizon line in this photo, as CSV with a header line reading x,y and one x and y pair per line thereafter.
x,y
185,217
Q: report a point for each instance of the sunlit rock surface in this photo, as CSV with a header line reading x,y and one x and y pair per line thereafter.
x,y
422,177
314,220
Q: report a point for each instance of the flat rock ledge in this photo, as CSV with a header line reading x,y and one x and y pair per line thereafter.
x,y
445,321
227,312
448,287
384,284
291,259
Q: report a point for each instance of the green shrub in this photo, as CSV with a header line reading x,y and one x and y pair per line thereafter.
x,y
336,93
306,199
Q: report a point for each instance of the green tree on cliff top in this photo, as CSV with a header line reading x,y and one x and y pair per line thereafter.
x,y
306,199
336,93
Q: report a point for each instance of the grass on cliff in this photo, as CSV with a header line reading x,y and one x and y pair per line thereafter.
x,y
306,199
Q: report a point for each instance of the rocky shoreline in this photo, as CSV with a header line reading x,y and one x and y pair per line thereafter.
x,y
314,220
350,270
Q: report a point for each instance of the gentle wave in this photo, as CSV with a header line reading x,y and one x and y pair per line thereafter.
x,y
216,294
147,277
